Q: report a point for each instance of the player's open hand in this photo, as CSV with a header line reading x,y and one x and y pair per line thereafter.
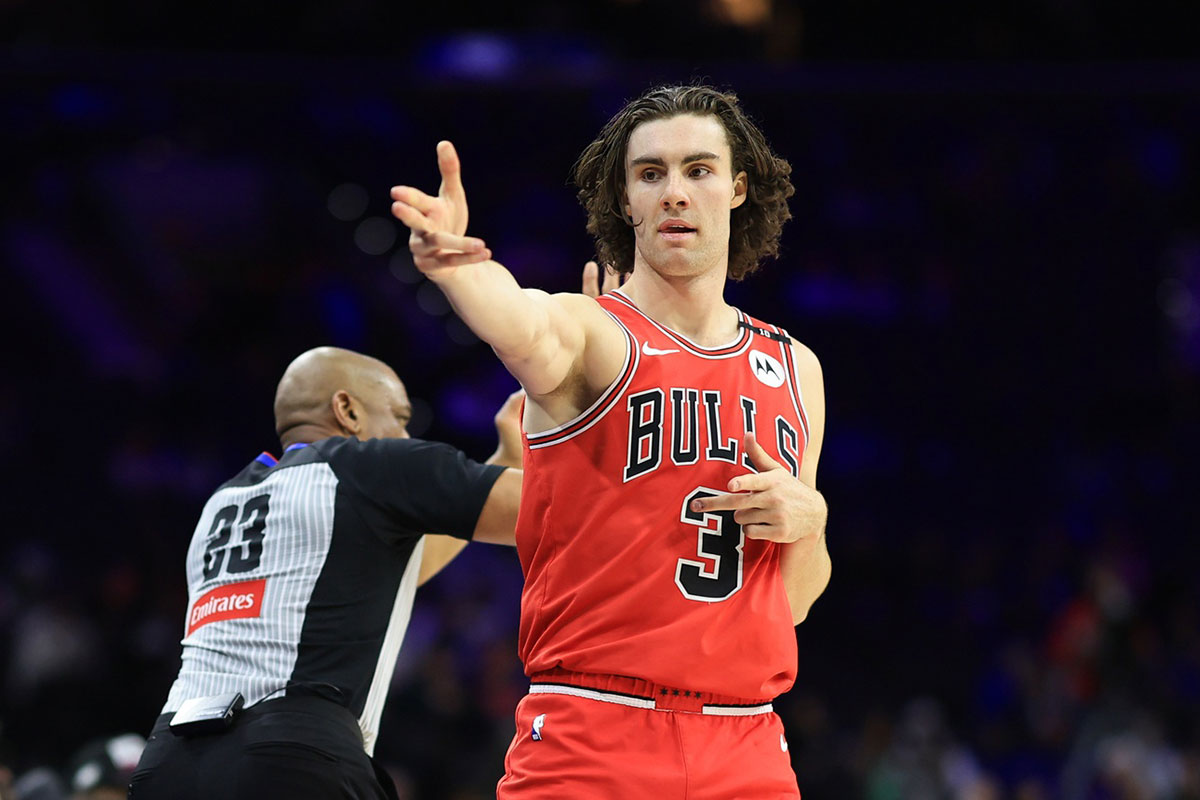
x,y
438,225
772,504
596,284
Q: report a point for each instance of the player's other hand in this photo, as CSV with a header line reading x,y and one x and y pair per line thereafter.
x,y
595,285
437,225
771,504
508,430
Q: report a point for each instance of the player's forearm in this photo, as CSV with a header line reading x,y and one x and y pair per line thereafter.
x,y
805,567
488,298
533,337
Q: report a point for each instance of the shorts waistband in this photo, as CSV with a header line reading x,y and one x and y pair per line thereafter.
x,y
641,693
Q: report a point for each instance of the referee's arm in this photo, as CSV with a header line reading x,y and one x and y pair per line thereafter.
x,y
497,520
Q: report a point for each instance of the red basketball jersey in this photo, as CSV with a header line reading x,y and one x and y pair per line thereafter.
x,y
621,576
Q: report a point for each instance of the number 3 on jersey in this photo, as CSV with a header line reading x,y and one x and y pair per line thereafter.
x,y
719,541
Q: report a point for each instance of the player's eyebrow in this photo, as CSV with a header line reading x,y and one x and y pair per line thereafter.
x,y
658,162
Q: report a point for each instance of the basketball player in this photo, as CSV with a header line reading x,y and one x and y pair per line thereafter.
x,y
301,574
671,532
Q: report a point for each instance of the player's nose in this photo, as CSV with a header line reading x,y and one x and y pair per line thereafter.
x,y
674,193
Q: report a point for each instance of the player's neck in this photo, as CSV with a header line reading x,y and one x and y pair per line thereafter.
x,y
307,433
692,305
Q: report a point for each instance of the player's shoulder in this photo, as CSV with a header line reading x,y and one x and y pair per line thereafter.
x,y
806,360
578,304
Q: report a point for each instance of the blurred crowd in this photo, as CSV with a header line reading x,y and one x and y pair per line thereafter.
x,y
1001,275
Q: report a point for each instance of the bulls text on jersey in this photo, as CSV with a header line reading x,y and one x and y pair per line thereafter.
x,y
657,423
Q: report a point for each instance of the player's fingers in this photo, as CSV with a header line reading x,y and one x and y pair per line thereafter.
x,y
414,197
451,169
771,533
758,456
723,502
612,280
591,279
445,259
410,216
755,516
754,482
429,241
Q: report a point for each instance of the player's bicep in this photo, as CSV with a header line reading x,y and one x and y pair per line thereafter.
x,y
580,349
557,347
812,392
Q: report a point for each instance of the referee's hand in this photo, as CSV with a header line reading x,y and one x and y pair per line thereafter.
x,y
508,429
593,286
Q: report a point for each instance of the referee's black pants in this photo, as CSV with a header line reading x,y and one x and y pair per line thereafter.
x,y
293,747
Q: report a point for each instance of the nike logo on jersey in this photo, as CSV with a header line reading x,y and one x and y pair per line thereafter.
x,y
782,743
654,351
538,722
767,369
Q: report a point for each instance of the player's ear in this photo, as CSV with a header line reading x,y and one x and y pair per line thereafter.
x,y
348,412
741,185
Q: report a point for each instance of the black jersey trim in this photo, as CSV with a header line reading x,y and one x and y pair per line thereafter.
x,y
793,382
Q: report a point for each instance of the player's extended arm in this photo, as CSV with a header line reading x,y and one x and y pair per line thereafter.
x,y
539,337
775,506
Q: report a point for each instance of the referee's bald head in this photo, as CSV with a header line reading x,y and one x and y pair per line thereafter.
x,y
328,391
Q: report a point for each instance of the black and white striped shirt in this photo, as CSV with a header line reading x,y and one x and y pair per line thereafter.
x,y
301,572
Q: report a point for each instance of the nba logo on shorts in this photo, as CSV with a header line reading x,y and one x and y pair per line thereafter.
x,y
538,722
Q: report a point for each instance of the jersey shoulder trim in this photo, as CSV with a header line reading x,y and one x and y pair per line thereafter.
x,y
783,341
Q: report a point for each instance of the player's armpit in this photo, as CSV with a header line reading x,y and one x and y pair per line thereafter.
x,y
498,519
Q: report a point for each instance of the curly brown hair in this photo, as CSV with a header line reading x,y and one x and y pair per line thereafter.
x,y
755,225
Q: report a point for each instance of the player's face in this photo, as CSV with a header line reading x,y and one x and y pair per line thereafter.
x,y
388,409
680,188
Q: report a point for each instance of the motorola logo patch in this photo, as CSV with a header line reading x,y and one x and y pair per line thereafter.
x,y
767,369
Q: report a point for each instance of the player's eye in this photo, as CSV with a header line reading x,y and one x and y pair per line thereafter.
x,y
651,175
698,171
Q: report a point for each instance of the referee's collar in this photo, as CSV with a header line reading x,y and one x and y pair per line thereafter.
x,y
269,460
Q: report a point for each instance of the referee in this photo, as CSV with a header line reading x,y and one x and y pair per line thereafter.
x,y
301,574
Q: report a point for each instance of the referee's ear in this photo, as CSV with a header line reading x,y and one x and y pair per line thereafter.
x,y
349,413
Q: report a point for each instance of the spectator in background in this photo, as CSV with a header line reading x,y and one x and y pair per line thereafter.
x,y
102,768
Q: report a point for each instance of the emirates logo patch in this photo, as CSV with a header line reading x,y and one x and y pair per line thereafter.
x,y
232,601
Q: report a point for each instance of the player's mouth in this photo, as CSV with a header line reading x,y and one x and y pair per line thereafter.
x,y
675,230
